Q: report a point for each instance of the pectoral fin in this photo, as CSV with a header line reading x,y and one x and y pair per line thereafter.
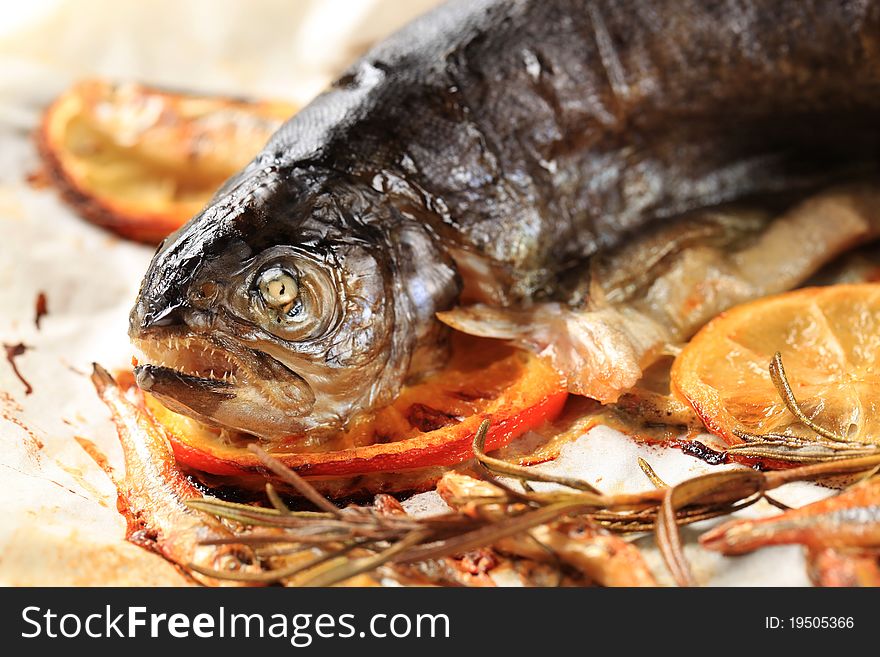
x,y
600,353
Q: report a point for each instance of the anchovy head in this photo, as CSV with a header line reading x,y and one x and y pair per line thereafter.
x,y
293,301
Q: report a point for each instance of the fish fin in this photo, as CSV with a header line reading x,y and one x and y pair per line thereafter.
x,y
599,352
489,321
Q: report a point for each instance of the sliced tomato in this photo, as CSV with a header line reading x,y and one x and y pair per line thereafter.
x,y
430,424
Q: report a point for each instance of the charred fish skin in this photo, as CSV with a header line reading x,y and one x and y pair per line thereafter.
x,y
539,133
502,143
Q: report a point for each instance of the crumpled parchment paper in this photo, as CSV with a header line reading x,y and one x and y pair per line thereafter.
x,y
59,524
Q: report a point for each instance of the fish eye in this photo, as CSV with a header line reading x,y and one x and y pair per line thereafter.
x,y
278,288
292,296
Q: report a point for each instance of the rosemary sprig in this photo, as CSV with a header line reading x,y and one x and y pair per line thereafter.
x,y
275,500
389,540
825,446
299,484
651,475
498,466
783,387
746,485
280,574
351,568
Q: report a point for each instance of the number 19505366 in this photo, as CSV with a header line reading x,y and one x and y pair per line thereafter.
x,y
809,622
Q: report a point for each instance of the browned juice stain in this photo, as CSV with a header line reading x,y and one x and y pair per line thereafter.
x,y
39,179
41,308
96,454
13,351
11,407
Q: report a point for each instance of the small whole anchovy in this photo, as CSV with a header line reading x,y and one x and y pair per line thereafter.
x,y
496,153
848,520
152,496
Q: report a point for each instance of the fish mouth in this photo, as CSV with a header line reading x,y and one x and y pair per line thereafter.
x,y
194,361
224,384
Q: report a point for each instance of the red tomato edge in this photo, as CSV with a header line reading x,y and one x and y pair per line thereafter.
x,y
457,450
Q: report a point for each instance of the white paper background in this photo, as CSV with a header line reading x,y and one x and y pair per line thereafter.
x,y
59,523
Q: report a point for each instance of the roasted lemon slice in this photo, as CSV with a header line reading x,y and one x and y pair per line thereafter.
x,y
141,161
829,341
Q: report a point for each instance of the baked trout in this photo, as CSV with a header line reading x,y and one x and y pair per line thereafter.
x,y
495,153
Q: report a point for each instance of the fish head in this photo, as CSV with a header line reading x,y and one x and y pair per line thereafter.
x,y
278,311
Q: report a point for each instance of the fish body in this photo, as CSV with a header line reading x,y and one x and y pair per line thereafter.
x,y
848,520
153,495
848,567
489,152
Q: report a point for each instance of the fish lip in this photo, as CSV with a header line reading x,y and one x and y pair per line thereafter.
x,y
147,375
